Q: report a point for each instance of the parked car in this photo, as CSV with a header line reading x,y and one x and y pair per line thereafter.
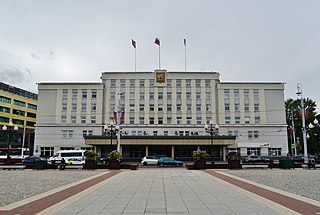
x,y
32,159
169,161
149,160
300,158
255,159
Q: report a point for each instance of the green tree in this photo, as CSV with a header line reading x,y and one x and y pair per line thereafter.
x,y
292,108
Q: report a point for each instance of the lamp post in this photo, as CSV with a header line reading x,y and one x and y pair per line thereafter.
x,y
213,130
111,128
304,132
10,129
315,129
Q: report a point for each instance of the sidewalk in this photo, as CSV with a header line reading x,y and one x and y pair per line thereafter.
x,y
166,191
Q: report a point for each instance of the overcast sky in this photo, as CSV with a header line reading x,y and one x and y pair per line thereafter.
x,y
245,41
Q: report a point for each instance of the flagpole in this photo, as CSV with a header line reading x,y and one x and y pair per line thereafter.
x,y
159,59
185,55
135,59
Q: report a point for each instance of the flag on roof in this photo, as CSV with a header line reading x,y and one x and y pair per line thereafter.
x,y
133,42
122,117
157,41
115,116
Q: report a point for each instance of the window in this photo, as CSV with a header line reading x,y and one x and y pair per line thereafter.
x,y
188,95
93,107
83,106
84,94
131,95
141,107
189,119
246,93
179,95
63,119
169,107
253,151
64,106
226,94
84,133
198,83
151,120
160,121
246,107
155,133
73,119
74,106
141,95
247,120
90,132
165,133
141,120
227,107
256,107
227,120
93,119
237,120
179,120
189,107
274,151
169,83
160,108
83,119
31,106
131,107
255,94
208,95
18,112
132,82
169,120
112,83
208,107
236,107
257,119
198,107
151,95
198,120
131,120
160,95
94,94
141,81
112,95
46,151
4,109
151,107
178,82
70,133
64,133
236,93
178,107
19,103
74,94
207,82
188,83
169,95
5,99
64,93
255,134
198,95
151,83
122,83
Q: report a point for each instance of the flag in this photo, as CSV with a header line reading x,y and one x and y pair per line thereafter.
x,y
157,41
307,112
115,116
122,117
133,43
299,113
185,42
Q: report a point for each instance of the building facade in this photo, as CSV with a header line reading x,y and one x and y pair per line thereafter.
x,y
165,113
19,107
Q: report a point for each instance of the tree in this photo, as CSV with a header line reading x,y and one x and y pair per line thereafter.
x,y
292,114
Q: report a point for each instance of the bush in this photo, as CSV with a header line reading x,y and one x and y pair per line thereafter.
x,y
114,155
197,155
91,155
234,155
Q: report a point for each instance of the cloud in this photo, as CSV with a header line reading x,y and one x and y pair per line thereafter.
x,y
34,56
14,75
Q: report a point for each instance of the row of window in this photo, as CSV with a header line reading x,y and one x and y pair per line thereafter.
x,y
271,151
178,107
83,106
17,102
178,82
17,112
16,121
49,151
236,93
237,120
74,93
74,119
161,95
246,107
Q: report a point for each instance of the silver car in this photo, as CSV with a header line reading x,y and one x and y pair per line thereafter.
x,y
149,160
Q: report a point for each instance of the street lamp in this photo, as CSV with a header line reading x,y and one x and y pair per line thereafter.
x,y
315,130
304,132
111,128
10,129
213,130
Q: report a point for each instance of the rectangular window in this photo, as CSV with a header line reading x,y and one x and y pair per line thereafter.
x,y
64,106
188,95
207,82
122,83
74,106
246,107
198,83
151,95
90,132
198,95
160,108
70,133
141,107
93,107
236,93
274,151
169,120
237,120
169,95
83,106
179,120
4,109
255,93
256,107
189,120
169,83
189,107
165,133
31,106
131,107
227,120
208,95
198,120
64,93
254,151
131,95
93,119
257,119
160,95
112,95
255,134
169,107
198,107
141,95
226,94
246,93
63,119
179,95
151,83
236,107
227,107
19,103
188,83
151,120
73,119
208,107
155,133
151,107
141,120
94,94
160,121
112,83
131,120
83,119
178,107
141,81
178,82
247,120
74,94
84,94
132,82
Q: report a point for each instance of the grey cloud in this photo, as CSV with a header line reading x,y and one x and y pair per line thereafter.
x,y
34,56
13,75
52,55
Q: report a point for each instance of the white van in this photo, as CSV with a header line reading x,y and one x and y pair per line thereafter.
x,y
70,156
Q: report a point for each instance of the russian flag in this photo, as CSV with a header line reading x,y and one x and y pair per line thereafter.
x,y
157,41
122,117
115,117
133,43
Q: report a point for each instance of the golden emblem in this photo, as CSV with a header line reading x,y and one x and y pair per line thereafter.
x,y
160,77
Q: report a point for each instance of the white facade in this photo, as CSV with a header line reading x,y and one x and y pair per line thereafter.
x,y
165,103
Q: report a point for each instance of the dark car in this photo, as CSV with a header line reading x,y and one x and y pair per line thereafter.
x,y
300,158
169,162
255,159
32,159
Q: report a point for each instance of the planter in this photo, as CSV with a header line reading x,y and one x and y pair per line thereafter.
x,y
234,164
200,164
114,164
90,164
286,164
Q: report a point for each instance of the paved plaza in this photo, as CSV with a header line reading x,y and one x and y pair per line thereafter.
x,y
167,191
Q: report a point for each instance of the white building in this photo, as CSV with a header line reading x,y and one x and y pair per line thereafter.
x,y
165,113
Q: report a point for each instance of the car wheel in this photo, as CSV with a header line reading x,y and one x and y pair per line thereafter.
x,y
177,165
161,165
145,163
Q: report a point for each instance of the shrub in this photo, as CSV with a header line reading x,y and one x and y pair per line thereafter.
x,y
90,155
197,155
114,155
